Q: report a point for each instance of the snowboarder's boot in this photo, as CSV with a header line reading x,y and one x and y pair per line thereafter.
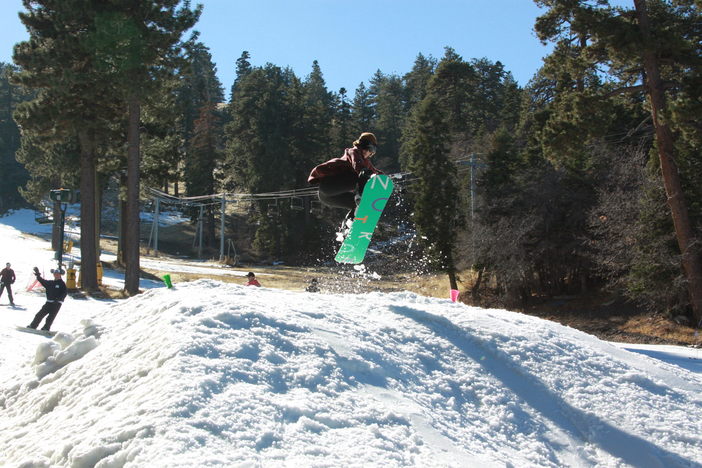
x,y
345,226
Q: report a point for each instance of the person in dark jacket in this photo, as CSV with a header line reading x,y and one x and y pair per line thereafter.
x,y
55,294
341,180
7,278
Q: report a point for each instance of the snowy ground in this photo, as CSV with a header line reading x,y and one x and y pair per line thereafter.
x,y
215,374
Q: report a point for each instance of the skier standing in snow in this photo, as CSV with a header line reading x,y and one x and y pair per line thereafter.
x,y
341,180
55,294
252,280
7,278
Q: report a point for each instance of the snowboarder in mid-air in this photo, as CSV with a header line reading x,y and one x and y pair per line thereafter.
x,y
341,180
55,294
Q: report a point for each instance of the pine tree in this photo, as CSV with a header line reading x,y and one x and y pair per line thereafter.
x,y
312,145
362,111
453,87
490,107
435,193
657,44
134,45
417,80
204,156
202,125
341,131
200,86
14,174
243,67
263,145
74,99
162,138
391,111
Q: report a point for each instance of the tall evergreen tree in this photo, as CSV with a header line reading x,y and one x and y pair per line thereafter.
x,y
341,133
436,191
135,46
417,80
202,125
162,137
243,67
653,50
263,141
205,152
200,86
74,98
391,112
14,174
362,110
313,143
491,93
451,89
453,86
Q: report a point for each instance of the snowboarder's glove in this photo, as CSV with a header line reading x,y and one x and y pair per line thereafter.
x,y
36,271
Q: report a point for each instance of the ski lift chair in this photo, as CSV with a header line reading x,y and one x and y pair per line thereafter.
x,y
42,217
316,207
297,204
272,209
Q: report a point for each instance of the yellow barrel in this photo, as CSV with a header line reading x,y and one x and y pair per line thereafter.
x,y
99,274
71,278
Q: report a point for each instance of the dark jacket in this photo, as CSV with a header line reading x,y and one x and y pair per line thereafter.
x,y
7,275
55,289
352,162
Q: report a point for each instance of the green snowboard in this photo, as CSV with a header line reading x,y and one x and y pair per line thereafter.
x,y
375,196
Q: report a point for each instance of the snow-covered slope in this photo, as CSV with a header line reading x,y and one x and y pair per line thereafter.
x,y
215,374
211,373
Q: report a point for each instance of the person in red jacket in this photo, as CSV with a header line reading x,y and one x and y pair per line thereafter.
x,y
7,278
252,280
341,180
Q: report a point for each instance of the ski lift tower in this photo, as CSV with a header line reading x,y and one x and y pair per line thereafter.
x,y
64,197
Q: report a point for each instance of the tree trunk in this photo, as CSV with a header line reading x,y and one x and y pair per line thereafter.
x,y
98,216
131,245
452,279
451,271
691,260
476,286
121,261
88,261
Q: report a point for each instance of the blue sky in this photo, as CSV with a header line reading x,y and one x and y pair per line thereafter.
x,y
352,39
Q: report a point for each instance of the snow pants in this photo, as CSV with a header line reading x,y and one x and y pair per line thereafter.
x,y
9,290
49,310
338,191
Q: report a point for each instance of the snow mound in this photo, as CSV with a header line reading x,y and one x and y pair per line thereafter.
x,y
217,374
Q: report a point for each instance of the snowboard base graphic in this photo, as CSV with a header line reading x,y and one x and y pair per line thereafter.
x,y
375,196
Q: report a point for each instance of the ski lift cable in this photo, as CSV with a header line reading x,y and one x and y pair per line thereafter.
x,y
402,178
